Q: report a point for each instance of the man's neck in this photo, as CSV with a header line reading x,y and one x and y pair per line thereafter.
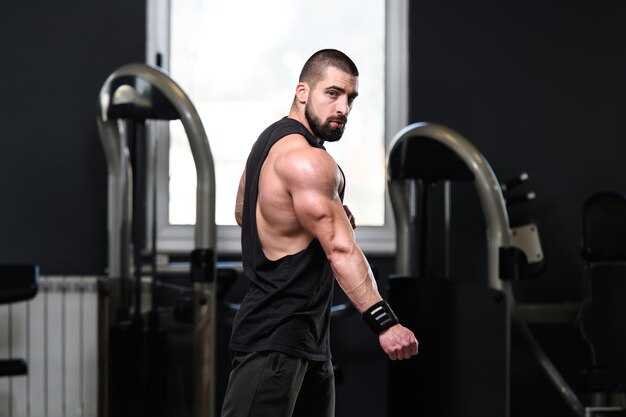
x,y
298,114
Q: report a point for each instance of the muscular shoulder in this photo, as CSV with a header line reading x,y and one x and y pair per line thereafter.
x,y
300,165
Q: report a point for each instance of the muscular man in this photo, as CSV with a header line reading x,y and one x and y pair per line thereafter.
x,y
297,238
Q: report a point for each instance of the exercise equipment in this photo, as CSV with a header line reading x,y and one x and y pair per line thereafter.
x,y
464,363
18,282
131,95
524,230
602,316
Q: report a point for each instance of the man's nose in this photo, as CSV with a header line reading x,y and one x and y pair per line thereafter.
x,y
343,107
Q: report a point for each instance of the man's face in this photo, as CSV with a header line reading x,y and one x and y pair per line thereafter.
x,y
329,104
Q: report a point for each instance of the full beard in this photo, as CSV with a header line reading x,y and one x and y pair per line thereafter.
x,y
325,131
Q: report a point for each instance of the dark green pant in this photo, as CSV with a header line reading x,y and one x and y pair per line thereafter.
x,y
272,384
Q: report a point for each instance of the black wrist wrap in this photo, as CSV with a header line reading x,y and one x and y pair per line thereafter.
x,y
380,317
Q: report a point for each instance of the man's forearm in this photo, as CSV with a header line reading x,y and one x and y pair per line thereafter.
x,y
355,278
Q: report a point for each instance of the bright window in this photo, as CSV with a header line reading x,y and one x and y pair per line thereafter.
x,y
239,62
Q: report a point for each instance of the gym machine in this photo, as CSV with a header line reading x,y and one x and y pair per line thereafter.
x,y
130,96
464,363
18,283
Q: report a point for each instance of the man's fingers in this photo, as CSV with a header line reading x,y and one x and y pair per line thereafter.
x,y
399,343
406,353
403,350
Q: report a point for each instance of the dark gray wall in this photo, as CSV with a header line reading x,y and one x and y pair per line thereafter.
x,y
55,57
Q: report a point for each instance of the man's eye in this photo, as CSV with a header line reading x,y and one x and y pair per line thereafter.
x,y
332,93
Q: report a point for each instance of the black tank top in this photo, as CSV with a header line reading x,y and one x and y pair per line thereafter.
x,y
287,306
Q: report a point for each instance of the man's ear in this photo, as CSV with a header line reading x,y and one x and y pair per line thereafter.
x,y
302,92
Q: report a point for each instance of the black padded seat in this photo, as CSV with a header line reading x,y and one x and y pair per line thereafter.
x,y
603,316
17,283
426,159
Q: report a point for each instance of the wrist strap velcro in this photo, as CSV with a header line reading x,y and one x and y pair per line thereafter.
x,y
380,317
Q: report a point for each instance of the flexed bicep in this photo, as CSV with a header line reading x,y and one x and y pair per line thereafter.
x,y
311,179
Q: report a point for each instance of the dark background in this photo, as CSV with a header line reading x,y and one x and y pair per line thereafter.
x,y
536,86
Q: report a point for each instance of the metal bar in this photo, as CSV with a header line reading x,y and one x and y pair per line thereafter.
x,y
548,313
564,389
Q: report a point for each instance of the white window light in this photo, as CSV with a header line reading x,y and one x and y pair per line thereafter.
x,y
239,62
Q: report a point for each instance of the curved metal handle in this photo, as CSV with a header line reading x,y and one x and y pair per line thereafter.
x,y
487,186
205,231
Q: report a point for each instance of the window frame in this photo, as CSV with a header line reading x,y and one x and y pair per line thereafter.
x,y
373,240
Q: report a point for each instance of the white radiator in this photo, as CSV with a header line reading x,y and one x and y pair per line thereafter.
x,y
56,333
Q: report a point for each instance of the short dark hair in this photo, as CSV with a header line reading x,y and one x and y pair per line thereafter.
x,y
316,65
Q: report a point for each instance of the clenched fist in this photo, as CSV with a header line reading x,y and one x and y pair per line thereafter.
x,y
398,342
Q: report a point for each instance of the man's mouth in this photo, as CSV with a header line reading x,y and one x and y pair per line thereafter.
x,y
338,121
